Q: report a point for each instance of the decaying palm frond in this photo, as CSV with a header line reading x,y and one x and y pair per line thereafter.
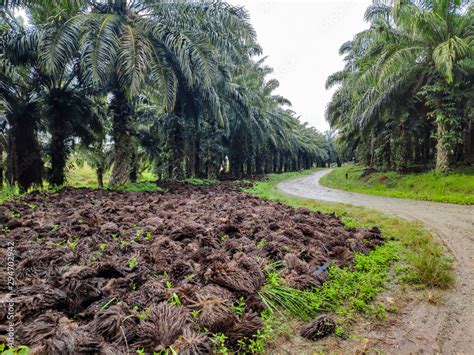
x,y
162,327
319,328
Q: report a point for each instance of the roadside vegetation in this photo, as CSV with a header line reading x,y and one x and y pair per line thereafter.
x,y
456,187
418,247
410,256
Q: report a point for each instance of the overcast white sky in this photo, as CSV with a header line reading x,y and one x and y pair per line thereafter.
x,y
301,39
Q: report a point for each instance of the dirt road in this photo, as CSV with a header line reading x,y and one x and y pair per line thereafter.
x,y
422,328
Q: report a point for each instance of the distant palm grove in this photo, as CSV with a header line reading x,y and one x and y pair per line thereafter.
x,y
405,98
130,84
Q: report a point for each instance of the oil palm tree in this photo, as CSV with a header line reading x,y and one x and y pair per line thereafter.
x,y
413,53
128,43
62,104
19,104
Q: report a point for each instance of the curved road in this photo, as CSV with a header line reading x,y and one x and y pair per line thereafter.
x,y
447,328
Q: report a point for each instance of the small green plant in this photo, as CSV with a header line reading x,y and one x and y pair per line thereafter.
x,y
132,263
218,340
6,230
73,244
174,299
261,243
189,277
224,237
32,206
148,235
15,214
168,285
103,246
195,314
54,228
19,350
239,306
138,233
143,314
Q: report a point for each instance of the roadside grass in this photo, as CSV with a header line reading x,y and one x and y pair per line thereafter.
x,y
409,256
456,187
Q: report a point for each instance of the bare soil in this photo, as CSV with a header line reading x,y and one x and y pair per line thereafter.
x,y
445,326
111,272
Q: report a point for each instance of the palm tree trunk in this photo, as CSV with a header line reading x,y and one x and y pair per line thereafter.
x,y
469,141
249,166
10,166
133,165
121,112
100,177
1,165
443,155
372,151
28,165
404,148
58,153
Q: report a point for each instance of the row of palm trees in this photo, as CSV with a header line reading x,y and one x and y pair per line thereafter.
x,y
139,81
405,96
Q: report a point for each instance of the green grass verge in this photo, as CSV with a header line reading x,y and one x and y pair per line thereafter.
x,y
456,187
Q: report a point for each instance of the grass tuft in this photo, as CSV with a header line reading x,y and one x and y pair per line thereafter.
x,y
284,300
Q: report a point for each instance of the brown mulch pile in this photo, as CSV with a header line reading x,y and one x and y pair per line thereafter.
x,y
111,272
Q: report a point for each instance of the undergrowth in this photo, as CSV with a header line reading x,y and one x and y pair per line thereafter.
x,y
456,187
